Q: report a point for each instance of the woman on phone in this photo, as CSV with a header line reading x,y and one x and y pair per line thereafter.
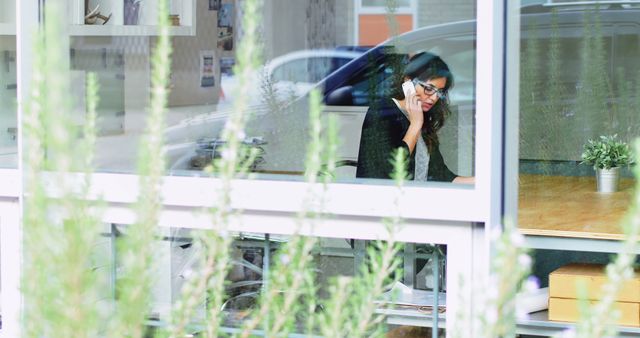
x,y
410,121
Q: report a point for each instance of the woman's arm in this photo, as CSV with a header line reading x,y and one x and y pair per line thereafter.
x,y
411,137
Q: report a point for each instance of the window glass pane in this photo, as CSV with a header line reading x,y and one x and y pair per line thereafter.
x,y
252,257
329,55
8,86
579,81
8,102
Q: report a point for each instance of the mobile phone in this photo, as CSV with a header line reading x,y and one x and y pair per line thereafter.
x,y
408,88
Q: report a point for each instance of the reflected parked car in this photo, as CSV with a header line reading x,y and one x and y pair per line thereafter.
x,y
291,75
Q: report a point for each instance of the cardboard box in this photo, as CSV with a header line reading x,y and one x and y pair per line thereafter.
x,y
563,283
566,310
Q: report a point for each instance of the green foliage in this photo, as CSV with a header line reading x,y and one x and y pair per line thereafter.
x,y
137,250
351,309
60,223
509,268
213,246
606,152
495,314
289,290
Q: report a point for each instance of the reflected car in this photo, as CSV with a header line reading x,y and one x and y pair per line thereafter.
x,y
291,75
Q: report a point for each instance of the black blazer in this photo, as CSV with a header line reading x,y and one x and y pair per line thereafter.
x,y
383,129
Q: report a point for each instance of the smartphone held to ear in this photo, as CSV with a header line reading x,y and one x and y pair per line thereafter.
x,y
408,88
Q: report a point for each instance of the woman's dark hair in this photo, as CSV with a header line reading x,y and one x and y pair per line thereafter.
x,y
426,66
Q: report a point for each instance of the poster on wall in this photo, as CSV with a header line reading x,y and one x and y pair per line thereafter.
x,y
214,5
207,76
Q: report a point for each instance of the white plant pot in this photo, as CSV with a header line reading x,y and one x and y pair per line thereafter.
x,y
607,179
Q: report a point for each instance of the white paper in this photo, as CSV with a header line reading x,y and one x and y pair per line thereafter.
x,y
536,300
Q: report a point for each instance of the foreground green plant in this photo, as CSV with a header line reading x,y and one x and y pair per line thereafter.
x,y
60,223
137,247
351,309
291,279
495,314
213,246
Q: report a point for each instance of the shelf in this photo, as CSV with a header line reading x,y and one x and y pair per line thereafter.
x,y
7,29
111,30
411,317
146,20
539,324
118,30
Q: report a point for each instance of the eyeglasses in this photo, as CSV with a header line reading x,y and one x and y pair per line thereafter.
x,y
430,89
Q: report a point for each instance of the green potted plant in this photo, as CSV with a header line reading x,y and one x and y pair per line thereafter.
x,y
607,155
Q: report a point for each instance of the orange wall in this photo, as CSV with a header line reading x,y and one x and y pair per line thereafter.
x,y
374,28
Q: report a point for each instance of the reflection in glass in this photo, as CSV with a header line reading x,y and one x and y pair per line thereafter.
x,y
349,77
254,256
8,106
324,55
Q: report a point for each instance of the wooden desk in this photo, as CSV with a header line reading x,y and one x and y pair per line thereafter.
x,y
569,206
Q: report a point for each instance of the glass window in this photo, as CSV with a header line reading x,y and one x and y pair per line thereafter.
x,y
579,90
324,56
421,268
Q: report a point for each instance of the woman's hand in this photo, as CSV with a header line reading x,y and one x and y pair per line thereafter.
x,y
414,108
416,119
